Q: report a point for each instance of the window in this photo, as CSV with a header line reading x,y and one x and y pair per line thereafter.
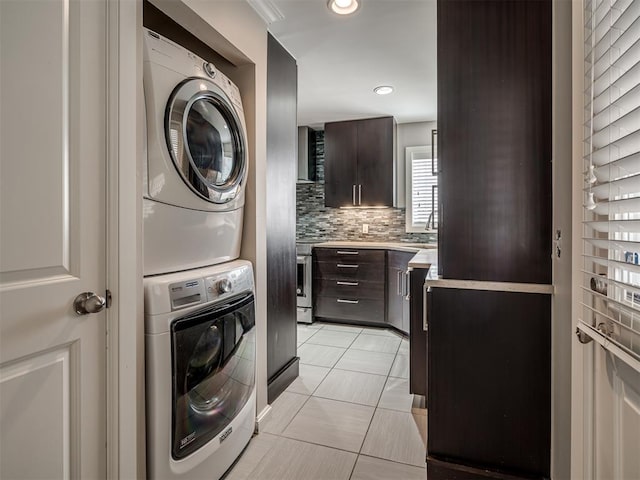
x,y
422,189
611,243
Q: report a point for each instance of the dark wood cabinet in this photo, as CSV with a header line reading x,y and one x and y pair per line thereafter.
x,y
494,140
349,284
418,337
489,381
282,131
489,352
398,289
359,162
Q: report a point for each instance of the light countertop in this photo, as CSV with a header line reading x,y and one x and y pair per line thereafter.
x,y
402,246
425,258
426,253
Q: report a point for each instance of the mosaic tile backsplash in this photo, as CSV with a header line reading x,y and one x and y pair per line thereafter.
x,y
317,222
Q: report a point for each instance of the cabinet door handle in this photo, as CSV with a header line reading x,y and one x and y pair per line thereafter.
x,y
407,280
346,252
352,302
425,309
346,265
398,283
354,194
350,284
359,194
434,171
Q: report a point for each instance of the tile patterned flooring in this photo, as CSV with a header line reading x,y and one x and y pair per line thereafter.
x,y
348,415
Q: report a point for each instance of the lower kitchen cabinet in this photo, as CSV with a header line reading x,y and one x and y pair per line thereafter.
x,y
398,289
364,286
349,284
489,361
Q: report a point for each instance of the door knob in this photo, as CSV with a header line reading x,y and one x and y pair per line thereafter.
x,y
89,302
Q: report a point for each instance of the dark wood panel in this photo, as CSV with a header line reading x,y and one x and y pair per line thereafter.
x,y
417,336
279,382
350,255
441,470
340,164
489,394
494,139
337,288
365,310
282,134
375,161
371,272
399,259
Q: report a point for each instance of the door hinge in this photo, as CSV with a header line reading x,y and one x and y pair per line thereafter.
x,y
108,297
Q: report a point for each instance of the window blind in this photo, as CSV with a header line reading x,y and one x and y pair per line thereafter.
x,y
611,214
424,191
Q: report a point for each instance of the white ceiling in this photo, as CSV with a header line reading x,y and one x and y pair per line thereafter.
x,y
341,59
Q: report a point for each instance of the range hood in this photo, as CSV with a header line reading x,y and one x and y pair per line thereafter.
x,y
306,155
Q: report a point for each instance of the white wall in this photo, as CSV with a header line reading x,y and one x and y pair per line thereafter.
x,y
561,326
409,135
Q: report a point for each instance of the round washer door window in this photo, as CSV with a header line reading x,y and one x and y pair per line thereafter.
x,y
205,140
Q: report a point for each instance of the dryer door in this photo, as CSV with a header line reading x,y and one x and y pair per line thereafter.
x,y
206,140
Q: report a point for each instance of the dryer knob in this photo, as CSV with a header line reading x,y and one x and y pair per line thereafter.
x,y
209,69
224,286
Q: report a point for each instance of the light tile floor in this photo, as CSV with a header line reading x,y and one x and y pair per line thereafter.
x,y
348,416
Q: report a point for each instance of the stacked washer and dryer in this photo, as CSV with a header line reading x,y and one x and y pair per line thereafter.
x,y
199,299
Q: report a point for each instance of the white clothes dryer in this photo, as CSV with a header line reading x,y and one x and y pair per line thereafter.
x,y
200,370
196,168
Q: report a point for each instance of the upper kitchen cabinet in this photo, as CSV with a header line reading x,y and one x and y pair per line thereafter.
x,y
359,163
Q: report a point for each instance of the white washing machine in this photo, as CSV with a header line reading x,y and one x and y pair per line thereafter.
x,y
196,169
200,370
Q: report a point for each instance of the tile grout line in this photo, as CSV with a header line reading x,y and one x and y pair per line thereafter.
x,y
364,438
375,408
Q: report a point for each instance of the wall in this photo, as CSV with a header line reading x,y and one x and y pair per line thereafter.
x,y
315,221
562,332
409,135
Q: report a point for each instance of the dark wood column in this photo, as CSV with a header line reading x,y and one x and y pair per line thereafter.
x,y
282,131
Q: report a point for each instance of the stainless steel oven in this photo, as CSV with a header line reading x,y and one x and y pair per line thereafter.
x,y
304,280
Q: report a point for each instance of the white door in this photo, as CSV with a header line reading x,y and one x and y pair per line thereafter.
x,y
52,238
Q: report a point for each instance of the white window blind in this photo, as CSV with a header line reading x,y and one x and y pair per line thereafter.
x,y
422,189
611,243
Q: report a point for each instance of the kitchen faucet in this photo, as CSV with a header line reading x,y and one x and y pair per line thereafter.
x,y
431,220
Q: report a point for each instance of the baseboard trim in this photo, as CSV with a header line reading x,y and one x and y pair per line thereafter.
x,y
262,417
444,470
281,380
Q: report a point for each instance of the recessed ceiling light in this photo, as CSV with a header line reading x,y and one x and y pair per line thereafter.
x,y
383,90
343,7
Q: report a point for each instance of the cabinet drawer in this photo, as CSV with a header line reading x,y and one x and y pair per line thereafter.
x,y
371,272
346,308
349,288
349,255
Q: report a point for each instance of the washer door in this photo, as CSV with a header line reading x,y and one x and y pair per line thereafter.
x,y
213,357
205,140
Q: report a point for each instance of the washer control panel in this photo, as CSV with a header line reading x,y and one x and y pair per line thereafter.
x,y
187,293
229,283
